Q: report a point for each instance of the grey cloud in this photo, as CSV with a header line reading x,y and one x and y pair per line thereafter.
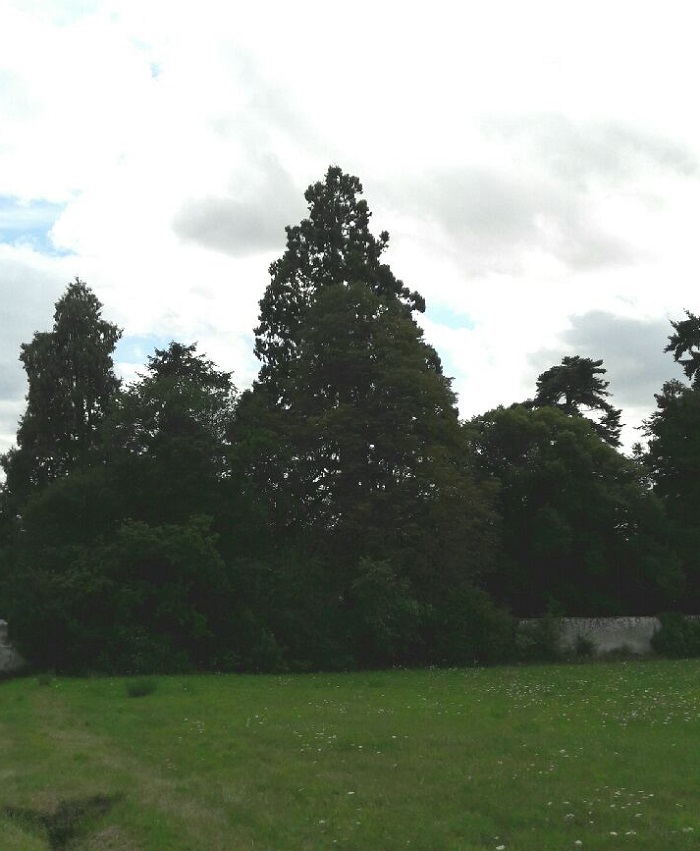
x,y
495,216
482,204
578,151
632,351
543,195
554,175
244,222
581,244
251,214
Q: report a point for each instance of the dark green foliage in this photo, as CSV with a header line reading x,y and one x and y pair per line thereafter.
x,y
579,530
465,627
167,440
332,246
296,615
576,388
337,515
538,640
72,386
366,457
672,460
385,615
146,599
584,647
686,341
354,446
678,637
673,454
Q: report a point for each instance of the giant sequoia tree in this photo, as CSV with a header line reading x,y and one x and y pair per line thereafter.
x,y
332,246
355,440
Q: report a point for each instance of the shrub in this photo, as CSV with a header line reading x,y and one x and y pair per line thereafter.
x,y
584,646
384,614
468,628
678,638
538,640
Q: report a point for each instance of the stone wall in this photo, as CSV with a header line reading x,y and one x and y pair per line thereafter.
x,y
609,634
10,660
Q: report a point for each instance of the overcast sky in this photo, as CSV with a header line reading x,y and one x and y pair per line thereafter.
x,y
537,166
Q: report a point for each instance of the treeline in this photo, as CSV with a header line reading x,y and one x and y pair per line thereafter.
x,y
338,514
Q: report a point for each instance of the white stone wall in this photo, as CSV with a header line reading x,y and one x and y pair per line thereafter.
x,y
608,634
10,660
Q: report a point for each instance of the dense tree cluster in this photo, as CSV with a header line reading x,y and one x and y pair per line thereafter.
x,y
337,514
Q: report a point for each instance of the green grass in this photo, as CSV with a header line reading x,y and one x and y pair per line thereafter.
x,y
536,758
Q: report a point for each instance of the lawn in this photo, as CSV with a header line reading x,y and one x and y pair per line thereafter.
x,y
595,756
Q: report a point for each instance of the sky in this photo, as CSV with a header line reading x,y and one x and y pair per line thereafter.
x,y
537,166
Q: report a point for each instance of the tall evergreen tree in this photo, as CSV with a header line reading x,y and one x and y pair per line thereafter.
x,y
332,246
354,438
72,385
168,437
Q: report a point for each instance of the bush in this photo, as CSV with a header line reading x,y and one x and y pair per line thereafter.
x,y
678,638
146,600
468,629
384,614
538,640
584,646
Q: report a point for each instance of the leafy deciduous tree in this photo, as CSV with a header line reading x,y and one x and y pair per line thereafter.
x,y
579,530
673,453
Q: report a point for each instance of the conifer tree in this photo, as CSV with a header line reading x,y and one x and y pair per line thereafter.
x,y
359,451
72,385
577,388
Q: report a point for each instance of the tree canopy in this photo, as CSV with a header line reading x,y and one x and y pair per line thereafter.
x,y
577,388
672,458
686,341
581,535
333,245
168,437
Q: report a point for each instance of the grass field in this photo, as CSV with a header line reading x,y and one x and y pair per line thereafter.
x,y
593,756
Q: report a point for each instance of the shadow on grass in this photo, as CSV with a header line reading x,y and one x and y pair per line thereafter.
x,y
66,822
